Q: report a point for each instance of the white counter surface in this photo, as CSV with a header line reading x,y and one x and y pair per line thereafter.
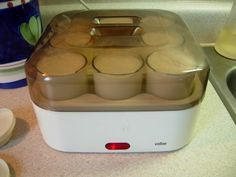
x,y
211,153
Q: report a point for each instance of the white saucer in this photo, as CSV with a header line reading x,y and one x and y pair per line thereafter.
x,y
7,124
4,169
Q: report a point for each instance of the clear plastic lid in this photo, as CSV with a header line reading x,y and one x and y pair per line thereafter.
x,y
118,60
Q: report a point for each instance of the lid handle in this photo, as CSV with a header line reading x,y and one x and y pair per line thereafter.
x,y
116,20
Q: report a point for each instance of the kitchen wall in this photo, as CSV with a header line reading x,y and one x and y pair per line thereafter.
x,y
204,17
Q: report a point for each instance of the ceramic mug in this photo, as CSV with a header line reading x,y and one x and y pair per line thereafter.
x,y
20,30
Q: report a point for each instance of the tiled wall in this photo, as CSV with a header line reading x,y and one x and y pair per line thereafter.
x,y
204,17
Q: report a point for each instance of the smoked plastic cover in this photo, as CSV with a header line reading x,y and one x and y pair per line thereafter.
x,y
117,60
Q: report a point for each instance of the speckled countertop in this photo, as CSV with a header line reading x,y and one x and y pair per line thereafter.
x,y
211,153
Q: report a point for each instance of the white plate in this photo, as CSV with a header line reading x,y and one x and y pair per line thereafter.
x,y
4,169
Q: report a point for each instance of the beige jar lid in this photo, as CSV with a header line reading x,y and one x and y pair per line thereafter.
x,y
77,39
117,64
61,63
163,38
157,21
80,24
70,39
171,62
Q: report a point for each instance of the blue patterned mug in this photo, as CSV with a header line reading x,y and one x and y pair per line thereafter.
x,y
20,29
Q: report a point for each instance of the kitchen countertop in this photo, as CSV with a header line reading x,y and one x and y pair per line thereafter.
x,y
212,151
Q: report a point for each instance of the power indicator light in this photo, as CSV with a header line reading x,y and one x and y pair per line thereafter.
x,y
117,146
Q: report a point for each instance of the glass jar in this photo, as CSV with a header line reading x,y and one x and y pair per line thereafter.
x,y
226,41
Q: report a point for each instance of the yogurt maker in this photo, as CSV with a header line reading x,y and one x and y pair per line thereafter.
x,y
117,81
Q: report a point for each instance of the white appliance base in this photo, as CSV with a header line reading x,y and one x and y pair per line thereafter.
x,y
109,132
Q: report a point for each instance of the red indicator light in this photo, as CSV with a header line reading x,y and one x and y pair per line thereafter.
x,y
117,146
